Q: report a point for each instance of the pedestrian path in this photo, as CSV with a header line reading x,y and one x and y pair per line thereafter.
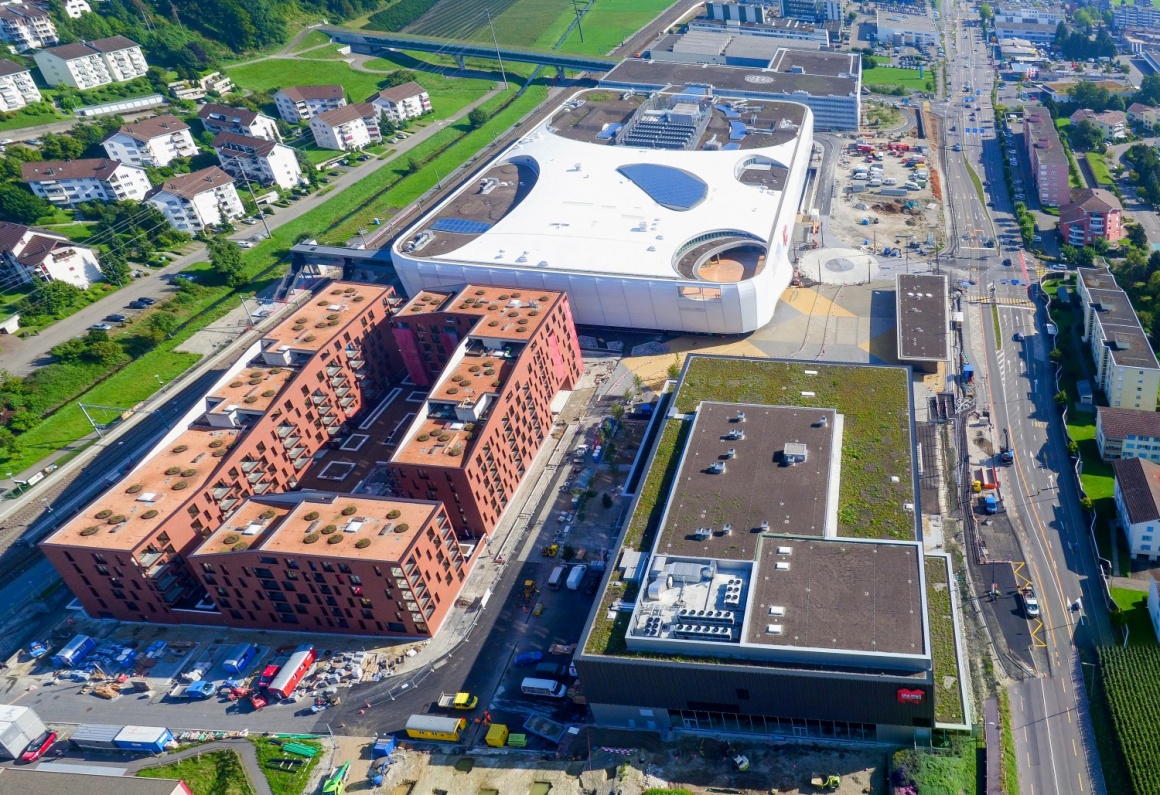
x,y
243,748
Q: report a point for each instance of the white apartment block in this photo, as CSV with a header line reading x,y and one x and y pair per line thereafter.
x,y
67,182
16,87
36,255
75,8
1126,367
26,27
93,63
151,142
407,101
258,160
240,121
351,127
1137,495
301,103
192,202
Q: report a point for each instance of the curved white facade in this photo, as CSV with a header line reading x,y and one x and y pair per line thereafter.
x,y
587,229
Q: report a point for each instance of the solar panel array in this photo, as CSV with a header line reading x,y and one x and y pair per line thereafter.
x,y
667,186
460,226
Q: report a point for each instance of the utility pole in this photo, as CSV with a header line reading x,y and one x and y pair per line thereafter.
x,y
579,27
498,57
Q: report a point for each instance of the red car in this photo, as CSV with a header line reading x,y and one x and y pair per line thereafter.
x,y
37,747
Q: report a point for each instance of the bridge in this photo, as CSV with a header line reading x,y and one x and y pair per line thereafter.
x,y
371,43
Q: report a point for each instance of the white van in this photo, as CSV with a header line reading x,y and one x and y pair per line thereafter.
x,y
874,183
576,576
860,176
545,688
557,577
890,181
911,186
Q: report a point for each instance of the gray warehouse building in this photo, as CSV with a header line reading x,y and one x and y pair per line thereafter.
x,y
828,83
742,600
923,319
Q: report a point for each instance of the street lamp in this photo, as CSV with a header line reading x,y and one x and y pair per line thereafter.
x,y
159,381
1089,665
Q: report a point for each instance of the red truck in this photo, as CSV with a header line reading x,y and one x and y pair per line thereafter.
x,y
259,697
292,672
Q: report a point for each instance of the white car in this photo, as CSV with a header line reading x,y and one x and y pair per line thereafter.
x,y
245,244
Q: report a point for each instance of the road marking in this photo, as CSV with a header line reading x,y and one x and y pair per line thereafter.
x,y
1074,749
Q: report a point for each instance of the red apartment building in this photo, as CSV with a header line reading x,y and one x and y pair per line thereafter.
x,y
122,555
1089,215
494,361
1049,165
362,565
154,546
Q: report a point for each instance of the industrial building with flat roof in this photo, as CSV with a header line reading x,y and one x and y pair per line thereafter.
x,y
272,472
924,333
670,211
828,83
759,589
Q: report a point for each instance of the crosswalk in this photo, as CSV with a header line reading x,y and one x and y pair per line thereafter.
x,y
1002,300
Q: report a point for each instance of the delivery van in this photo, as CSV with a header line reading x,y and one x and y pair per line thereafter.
x,y
545,688
557,577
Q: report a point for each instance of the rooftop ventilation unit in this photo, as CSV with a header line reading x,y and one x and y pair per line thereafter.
x,y
822,422
731,452
795,453
702,533
740,416
785,550
735,435
727,529
782,565
773,629
777,610
718,468
764,524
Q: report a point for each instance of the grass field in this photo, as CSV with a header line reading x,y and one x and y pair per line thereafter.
x,y
285,782
311,39
893,76
1139,623
449,94
610,22
948,706
30,118
213,773
1099,169
278,73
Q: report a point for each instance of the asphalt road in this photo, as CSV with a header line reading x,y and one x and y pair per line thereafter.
x,y
1054,745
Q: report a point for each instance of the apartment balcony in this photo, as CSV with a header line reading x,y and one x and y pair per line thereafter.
x,y
249,466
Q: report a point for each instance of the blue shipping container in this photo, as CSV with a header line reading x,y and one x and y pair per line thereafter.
x,y
151,739
238,658
74,651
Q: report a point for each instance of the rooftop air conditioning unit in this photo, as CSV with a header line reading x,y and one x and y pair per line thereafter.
x,y
777,610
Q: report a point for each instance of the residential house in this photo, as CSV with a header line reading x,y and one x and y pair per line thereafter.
x,y
156,141
240,121
89,64
195,201
26,27
29,255
258,159
302,103
1090,215
1137,496
1049,164
1128,433
1126,367
1112,123
68,182
75,9
406,101
349,127
1143,114
17,88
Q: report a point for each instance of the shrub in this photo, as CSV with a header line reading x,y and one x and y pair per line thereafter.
x,y
179,485
268,393
443,437
172,470
311,538
235,384
136,487
231,538
216,443
362,543
267,514
402,527
349,510
330,528
91,530
149,514
310,517
188,473
116,519
336,539
104,514
181,448
423,437
218,453
393,514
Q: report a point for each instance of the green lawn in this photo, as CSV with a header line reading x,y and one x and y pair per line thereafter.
x,y
312,39
949,771
893,76
1099,169
538,24
278,73
610,22
285,782
448,94
213,773
330,53
29,118
1139,623
948,704
75,232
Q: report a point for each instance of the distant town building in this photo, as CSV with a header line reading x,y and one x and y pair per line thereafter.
x,y
913,30
349,127
1137,495
752,13
1127,17
30,255
26,27
157,142
68,182
1128,433
1143,114
297,104
399,103
76,8
195,201
1112,123
90,64
241,121
812,10
17,88
1126,367
1090,215
923,319
258,159
796,33
1049,165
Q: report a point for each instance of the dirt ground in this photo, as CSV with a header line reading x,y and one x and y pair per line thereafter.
x,y
849,209
700,766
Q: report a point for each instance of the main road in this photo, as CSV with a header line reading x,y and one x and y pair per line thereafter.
x,y
1052,730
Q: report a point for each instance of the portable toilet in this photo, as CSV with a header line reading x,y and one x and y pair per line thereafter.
x,y
497,735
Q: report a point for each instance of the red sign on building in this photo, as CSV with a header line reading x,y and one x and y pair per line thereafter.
x,y
907,696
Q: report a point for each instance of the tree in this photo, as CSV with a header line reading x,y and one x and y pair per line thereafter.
x,y
1149,90
413,165
1153,262
985,13
868,61
1068,252
23,420
1137,236
674,368
1085,257
51,298
105,352
9,443
161,325
1085,136
477,118
226,259
115,269
17,204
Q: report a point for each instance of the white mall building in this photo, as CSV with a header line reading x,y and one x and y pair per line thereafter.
x,y
672,212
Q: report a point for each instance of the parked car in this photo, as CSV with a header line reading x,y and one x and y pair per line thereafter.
x,y
147,300
526,658
100,327
37,747
138,304
115,318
